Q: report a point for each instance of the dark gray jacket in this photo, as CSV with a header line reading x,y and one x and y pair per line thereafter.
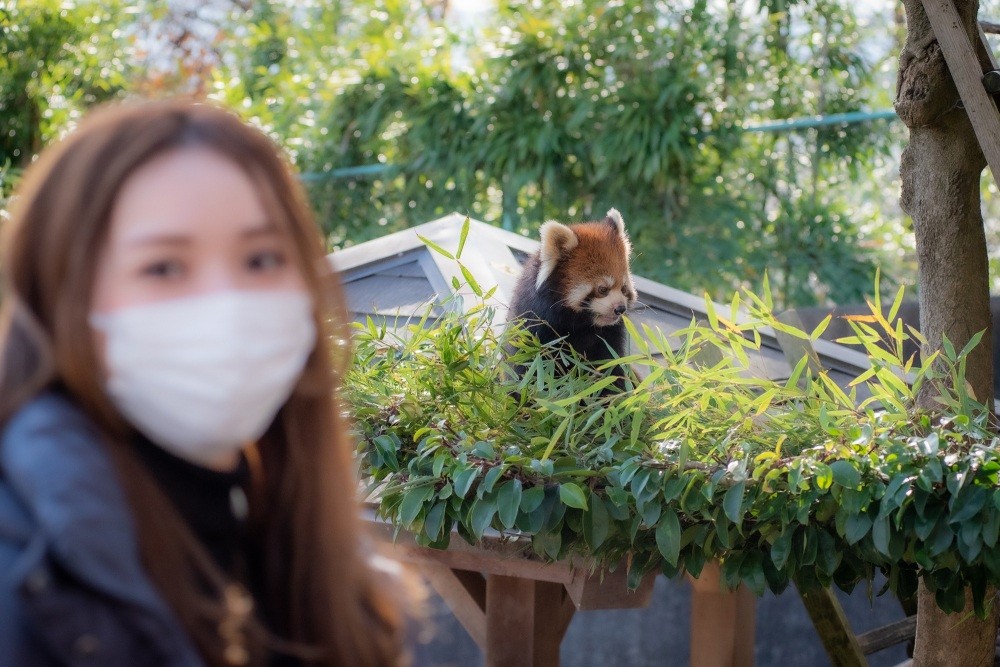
x,y
72,588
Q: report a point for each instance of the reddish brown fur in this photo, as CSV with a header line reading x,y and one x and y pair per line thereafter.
x,y
601,251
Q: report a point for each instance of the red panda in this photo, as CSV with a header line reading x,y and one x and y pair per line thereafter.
x,y
578,286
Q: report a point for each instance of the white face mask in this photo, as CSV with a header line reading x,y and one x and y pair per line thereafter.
x,y
203,376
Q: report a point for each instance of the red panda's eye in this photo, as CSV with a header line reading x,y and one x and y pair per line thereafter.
x,y
602,290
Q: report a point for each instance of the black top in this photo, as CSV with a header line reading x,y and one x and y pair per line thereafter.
x,y
211,503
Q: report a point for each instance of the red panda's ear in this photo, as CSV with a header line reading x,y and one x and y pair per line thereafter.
x,y
615,220
557,240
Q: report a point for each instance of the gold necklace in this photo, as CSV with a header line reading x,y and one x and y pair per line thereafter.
x,y
232,627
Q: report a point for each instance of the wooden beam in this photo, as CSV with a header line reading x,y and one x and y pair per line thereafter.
x,y
875,640
967,72
494,555
833,628
464,596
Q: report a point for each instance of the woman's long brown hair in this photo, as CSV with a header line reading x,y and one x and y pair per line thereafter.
x,y
321,592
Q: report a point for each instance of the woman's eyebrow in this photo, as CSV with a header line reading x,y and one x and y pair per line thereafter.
x,y
261,229
158,239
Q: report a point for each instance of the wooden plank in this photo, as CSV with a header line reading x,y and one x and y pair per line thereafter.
x,y
834,631
875,640
486,562
967,72
494,555
464,595
722,622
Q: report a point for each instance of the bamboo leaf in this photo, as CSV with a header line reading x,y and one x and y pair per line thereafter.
x,y
462,237
821,327
435,247
471,280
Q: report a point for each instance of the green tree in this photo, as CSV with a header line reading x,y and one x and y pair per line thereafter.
x,y
568,110
942,167
553,110
56,59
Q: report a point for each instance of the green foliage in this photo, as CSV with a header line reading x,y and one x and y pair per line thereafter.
x,y
56,58
782,481
547,110
570,108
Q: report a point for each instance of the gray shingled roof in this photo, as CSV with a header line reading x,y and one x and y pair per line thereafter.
x,y
397,277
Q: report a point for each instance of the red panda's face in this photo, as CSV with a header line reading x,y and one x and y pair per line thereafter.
x,y
589,263
607,298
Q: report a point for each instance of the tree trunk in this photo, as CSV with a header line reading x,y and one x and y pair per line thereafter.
x,y
940,173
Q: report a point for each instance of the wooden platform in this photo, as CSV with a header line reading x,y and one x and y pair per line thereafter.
x,y
517,608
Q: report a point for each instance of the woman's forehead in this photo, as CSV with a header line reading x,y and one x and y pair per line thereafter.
x,y
187,192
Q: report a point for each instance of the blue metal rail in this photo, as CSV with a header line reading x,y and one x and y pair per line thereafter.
x,y
789,125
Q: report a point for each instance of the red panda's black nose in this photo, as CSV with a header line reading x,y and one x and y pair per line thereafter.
x,y
620,309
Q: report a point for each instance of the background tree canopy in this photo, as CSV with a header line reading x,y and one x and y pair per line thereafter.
x,y
400,112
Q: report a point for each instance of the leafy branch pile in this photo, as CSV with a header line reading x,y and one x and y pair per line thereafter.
x,y
782,481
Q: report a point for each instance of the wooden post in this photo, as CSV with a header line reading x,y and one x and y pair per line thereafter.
x,y
525,622
722,622
553,612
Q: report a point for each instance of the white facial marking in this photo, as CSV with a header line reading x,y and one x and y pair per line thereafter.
x,y
578,295
603,307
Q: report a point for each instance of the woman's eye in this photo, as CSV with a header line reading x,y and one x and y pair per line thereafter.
x,y
163,269
266,261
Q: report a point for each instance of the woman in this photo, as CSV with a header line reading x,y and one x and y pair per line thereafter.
x,y
176,485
